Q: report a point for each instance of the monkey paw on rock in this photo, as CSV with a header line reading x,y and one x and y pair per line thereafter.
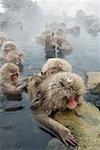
x,y
67,137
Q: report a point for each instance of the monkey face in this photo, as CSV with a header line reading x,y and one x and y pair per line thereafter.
x,y
64,89
8,46
14,76
9,72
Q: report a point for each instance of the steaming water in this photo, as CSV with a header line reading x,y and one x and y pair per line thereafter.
x,y
17,129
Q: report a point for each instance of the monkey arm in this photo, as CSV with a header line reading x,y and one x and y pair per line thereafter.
x,y
10,89
61,131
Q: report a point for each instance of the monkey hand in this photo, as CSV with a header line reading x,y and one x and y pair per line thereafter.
x,y
21,82
21,87
67,137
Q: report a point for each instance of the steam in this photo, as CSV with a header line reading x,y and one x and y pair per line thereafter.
x,y
58,7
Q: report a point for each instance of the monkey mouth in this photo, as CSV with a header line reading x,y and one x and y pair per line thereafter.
x,y
72,102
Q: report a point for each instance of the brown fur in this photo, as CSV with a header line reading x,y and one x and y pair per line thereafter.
x,y
9,45
57,64
13,57
6,84
49,94
6,70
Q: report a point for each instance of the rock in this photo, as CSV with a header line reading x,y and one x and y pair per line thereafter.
x,y
93,82
84,123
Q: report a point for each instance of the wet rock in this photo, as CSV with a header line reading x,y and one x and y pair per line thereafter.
x,y
93,98
93,82
84,123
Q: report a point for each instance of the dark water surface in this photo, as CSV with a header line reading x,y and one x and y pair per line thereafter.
x,y
17,129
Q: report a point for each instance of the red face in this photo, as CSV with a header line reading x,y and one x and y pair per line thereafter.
x,y
72,102
14,76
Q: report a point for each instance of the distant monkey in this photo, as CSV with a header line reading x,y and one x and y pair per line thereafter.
x,y
8,46
49,42
54,65
14,57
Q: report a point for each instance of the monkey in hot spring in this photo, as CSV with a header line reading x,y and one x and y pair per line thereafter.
x,y
59,91
10,79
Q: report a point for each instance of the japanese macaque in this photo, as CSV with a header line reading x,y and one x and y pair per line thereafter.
x,y
59,92
40,38
49,42
73,30
54,65
51,67
63,44
60,31
8,46
3,38
14,57
9,79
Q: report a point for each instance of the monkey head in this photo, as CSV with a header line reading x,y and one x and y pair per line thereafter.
x,y
8,46
9,72
54,65
62,90
14,57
